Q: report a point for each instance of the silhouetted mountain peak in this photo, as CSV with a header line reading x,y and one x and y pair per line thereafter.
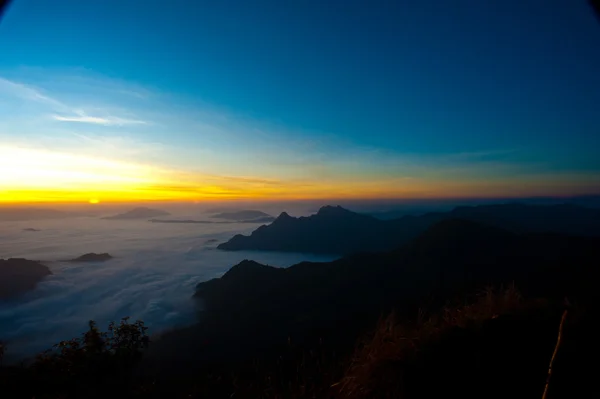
x,y
248,263
336,230
283,217
246,266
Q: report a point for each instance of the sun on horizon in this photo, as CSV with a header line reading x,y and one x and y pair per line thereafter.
x,y
379,117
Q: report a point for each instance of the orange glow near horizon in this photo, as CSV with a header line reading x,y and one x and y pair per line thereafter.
x,y
283,193
38,176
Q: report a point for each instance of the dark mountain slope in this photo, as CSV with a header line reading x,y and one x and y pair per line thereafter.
x,y
337,230
331,230
254,307
453,255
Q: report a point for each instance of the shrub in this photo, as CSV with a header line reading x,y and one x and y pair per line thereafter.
x,y
90,366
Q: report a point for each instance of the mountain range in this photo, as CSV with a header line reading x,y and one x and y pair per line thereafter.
x,y
138,213
340,299
336,230
244,215
92,257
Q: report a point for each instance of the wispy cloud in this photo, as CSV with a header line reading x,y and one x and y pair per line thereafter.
x,y
63,112
27,92
81,117
154,145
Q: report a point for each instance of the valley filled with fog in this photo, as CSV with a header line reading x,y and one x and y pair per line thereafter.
x,y
152,276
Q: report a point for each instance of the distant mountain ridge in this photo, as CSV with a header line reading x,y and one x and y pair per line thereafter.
x,y
138,213
244,215
449,254
332,230
266,219
186,221
336,230
92,257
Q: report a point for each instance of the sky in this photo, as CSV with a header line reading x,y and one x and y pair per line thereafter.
x,y
116,101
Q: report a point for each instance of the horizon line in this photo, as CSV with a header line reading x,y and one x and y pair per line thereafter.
x,y
301,200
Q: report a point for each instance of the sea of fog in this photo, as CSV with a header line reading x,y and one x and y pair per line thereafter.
x,y
152,277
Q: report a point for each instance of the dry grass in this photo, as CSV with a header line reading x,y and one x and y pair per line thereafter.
x,y
558,342
393,343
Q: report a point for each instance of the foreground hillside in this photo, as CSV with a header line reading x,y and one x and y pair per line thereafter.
x,y
452,258
255,310
409,323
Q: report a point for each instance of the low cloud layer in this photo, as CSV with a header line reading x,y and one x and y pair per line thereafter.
x,y
152,277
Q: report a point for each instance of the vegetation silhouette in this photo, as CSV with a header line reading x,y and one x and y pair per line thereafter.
x,y
96,365
499,342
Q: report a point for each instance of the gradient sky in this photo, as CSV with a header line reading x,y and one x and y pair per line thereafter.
x,y
120,100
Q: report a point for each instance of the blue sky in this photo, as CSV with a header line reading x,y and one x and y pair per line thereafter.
x,y
469,95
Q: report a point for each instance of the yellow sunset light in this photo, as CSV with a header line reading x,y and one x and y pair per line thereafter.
x,y
41,176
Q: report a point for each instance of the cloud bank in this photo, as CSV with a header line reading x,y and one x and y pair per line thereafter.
x,y
152,277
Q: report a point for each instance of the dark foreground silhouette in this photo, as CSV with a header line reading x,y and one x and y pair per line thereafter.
x,y
316,329
321,309
339,231
18,276
450,258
